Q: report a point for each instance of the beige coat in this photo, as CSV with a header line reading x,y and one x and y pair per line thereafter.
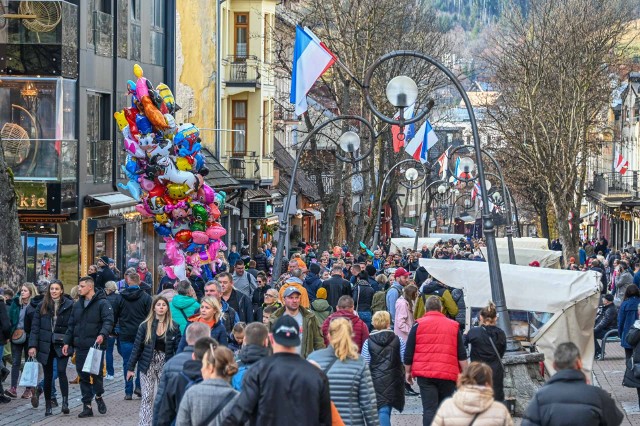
x,y
466,403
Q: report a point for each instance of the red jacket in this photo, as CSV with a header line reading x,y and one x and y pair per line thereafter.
x,y
436,353
360,330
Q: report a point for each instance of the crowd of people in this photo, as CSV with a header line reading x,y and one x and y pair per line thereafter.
x,y
338,337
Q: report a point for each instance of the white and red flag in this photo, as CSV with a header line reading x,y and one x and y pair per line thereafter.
x,y
620,164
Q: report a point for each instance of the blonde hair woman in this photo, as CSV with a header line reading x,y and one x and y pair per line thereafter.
x,y
20,315
203,401
350,381
211,315
473,402
156,342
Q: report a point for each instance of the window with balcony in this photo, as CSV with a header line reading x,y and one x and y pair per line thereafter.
x,y
98,138
157,31
100,27
239,123
241,35
266,125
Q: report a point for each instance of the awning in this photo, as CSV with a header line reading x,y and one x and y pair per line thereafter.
x,y
468,219
118,202
315,213
587,214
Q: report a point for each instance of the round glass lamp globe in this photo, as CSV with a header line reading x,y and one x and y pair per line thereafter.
x,y
349,142
402,91
411,174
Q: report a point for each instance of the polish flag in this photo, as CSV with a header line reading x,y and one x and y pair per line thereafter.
x,y
620,164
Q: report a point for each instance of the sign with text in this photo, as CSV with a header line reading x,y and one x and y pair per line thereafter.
x,y
31,195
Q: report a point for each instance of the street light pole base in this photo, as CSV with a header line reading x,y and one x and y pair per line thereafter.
x,y
523,377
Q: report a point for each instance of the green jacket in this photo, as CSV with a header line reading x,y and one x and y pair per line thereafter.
x,y
182,307
14,313
311,335
449,306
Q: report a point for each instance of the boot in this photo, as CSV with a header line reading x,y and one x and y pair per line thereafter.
x,y
47,410
86,411
65,405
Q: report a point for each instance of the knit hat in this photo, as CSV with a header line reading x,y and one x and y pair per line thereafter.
x,y
321,293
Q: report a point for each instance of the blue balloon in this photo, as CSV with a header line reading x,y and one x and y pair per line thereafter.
x,y
143,124
206,271
162,230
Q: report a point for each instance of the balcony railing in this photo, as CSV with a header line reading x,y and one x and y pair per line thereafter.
x,y
51,33
243,165
99,164
41,159
617,185
246,71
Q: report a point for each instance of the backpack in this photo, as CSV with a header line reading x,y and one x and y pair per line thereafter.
x,y
379,302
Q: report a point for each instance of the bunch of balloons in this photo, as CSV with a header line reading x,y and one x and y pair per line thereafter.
x,y
166,175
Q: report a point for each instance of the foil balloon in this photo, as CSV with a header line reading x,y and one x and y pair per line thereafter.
x,y
199,212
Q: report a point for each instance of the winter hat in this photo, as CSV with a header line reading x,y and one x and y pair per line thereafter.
x,y
535,263
321,293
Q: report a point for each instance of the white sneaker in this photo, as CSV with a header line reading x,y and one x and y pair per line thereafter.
x,y
108,377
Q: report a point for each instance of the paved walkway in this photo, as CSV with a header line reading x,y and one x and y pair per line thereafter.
x,y
119,412
608,374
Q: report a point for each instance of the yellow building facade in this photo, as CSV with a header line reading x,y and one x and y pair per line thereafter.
x,y
248,86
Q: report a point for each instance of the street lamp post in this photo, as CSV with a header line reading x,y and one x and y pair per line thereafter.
x,y
349,142
495,276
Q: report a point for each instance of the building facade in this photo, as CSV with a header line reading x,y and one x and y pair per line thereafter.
x,y
64,67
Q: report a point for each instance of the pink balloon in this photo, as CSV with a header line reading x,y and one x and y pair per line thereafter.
x,y
200,237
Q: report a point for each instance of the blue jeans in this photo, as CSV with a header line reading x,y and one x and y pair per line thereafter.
x,y
366,317
125,349
111,341
384,413
53,382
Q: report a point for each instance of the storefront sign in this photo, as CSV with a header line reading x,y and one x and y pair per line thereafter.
x,y
31,195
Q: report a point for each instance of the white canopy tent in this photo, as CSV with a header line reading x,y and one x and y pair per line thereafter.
x,y
447,237
524,242
570,296
407,243
524,256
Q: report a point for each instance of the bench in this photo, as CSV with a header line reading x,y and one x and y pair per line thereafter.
x,y
609,336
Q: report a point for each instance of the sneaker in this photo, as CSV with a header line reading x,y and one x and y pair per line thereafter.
x,y
35,397
108,377
102,407
11,392
138,392
4,373
27,394
128,397
4,399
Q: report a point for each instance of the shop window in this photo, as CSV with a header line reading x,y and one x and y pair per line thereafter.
x,y
37,126
41,256
241,35
239,122
98,138
135,239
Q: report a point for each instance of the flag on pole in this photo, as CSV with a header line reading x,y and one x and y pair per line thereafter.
x,y
456,171
476,191
443,161
620,164
408,131
311,59
424,139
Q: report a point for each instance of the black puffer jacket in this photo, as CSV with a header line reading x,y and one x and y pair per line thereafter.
x,y
103,276
133,307
31,310
363,296
257,298
261,262
86,323
567,399
633,339
458,297
387,371
169,401
143,352
606,319
41,336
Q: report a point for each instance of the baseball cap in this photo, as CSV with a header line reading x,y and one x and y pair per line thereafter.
x,y
401,272
290,290
286,331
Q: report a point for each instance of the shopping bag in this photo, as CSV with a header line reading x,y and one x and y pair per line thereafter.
x,y
92,363
29,373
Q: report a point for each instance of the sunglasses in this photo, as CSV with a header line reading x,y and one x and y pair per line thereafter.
x,y
269,295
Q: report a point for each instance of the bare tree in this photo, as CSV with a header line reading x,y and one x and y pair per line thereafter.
x,y
553,69
11,255
358,32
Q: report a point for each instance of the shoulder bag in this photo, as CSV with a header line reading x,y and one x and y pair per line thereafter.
x,y
18,337
223,404
493,345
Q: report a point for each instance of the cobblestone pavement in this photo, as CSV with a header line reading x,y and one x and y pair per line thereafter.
x,y
608,374
119,412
